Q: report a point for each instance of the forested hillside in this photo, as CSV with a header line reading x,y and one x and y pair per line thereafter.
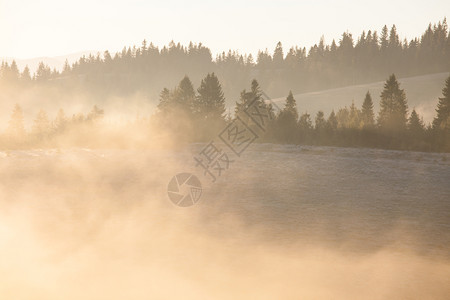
x,y
146,69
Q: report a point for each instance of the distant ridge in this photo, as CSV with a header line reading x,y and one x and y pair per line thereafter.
x,y
53,62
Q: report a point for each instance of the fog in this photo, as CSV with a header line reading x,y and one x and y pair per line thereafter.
x,y
120,109
165,172
99,225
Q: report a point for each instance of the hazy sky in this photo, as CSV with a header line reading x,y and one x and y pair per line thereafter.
x,y
33,28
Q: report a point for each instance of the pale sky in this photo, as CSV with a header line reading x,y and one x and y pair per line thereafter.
x,y
34,28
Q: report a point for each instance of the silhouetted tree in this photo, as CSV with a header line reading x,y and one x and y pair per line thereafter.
x,y
25,76
287,121
14,73
210,104
184,96
393,106
415,124
249,98
442,120
332,122
43,72
367,114
305,128
278,56
320,122
291,106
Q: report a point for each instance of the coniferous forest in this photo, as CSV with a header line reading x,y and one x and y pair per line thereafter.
x,y
196,113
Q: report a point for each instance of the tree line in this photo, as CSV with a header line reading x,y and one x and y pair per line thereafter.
x,y
45,132
350,60
201,114
186,114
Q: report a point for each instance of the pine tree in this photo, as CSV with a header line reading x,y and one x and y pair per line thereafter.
x,y
367,114
305,122
25,76
210,102
16,127
305,128
320,121
184,96
291,106
384,42
247,98
394,41
393,106
165,101
415,124
41,125
43,72
256,91
286,123
442,120
332,122
278,55
14,71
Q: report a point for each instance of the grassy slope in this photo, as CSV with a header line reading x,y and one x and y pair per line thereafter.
x,y
422,93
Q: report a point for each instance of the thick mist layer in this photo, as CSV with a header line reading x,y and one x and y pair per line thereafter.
x,y
283,222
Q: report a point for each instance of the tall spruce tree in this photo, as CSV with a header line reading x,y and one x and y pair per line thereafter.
x,y
442,119
210,102
367,114
393,106
287,120
278,56
384,41
291,106
184,96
